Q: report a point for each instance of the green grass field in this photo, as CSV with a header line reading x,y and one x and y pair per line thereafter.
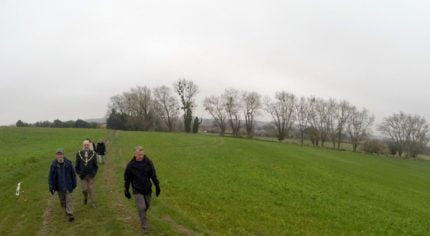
x,y
216,186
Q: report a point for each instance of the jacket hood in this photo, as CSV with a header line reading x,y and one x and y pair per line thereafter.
x,y
145,159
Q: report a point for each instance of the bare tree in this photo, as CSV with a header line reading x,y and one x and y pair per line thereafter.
x,y
251,106
168,106
302,116
118,102
282,112
332,122
323,109
418,138
419,135
343,113
137,107
338,114
359,124
187,90
232,106
319,120
396,128
141,105
216,108
406,133
313,120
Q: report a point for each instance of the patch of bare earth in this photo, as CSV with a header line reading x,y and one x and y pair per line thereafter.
x,y
48,216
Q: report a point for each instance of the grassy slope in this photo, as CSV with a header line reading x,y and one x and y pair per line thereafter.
x,y
226,185
25,156
214,185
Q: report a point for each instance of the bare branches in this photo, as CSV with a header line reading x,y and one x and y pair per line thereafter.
x,y
139,108
338,115
215,107
232,106
168,106
301,110
282,112
405,133
318,119
251,105
359,124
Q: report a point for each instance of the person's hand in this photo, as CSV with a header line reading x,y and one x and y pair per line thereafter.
x,y
127,194
157,190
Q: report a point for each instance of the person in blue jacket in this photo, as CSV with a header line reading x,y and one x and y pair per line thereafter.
x,y
62,179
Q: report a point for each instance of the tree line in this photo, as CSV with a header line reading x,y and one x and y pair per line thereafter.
x,y
314,118
321,121
59,124
158,109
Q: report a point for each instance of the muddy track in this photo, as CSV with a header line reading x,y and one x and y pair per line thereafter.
x,y
48,216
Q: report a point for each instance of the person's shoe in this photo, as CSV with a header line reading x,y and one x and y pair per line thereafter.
x,y
71,218
85,201
93,205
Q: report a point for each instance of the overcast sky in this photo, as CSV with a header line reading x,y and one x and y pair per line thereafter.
x,y
65,59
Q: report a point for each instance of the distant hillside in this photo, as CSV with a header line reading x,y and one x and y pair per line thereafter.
x,y
97,120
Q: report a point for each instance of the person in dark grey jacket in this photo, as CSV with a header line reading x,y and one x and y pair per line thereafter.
x,y
139,173
62,179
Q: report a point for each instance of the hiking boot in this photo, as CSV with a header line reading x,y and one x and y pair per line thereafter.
x,y
85,201
71,218
93,205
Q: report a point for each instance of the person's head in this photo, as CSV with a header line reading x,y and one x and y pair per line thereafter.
x,y
59,154
88,139
86,145
139,153
101,141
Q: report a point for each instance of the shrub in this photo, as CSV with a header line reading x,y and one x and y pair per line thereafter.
x,y
374,146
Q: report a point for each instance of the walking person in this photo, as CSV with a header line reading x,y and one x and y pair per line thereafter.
x,y
101,150
92,145
139,171
62,179
86,168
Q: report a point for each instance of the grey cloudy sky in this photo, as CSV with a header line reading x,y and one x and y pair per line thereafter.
x,y
65,59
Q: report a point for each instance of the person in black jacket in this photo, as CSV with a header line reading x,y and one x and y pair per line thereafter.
x,y
101,150
139,173
86,167
62,179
